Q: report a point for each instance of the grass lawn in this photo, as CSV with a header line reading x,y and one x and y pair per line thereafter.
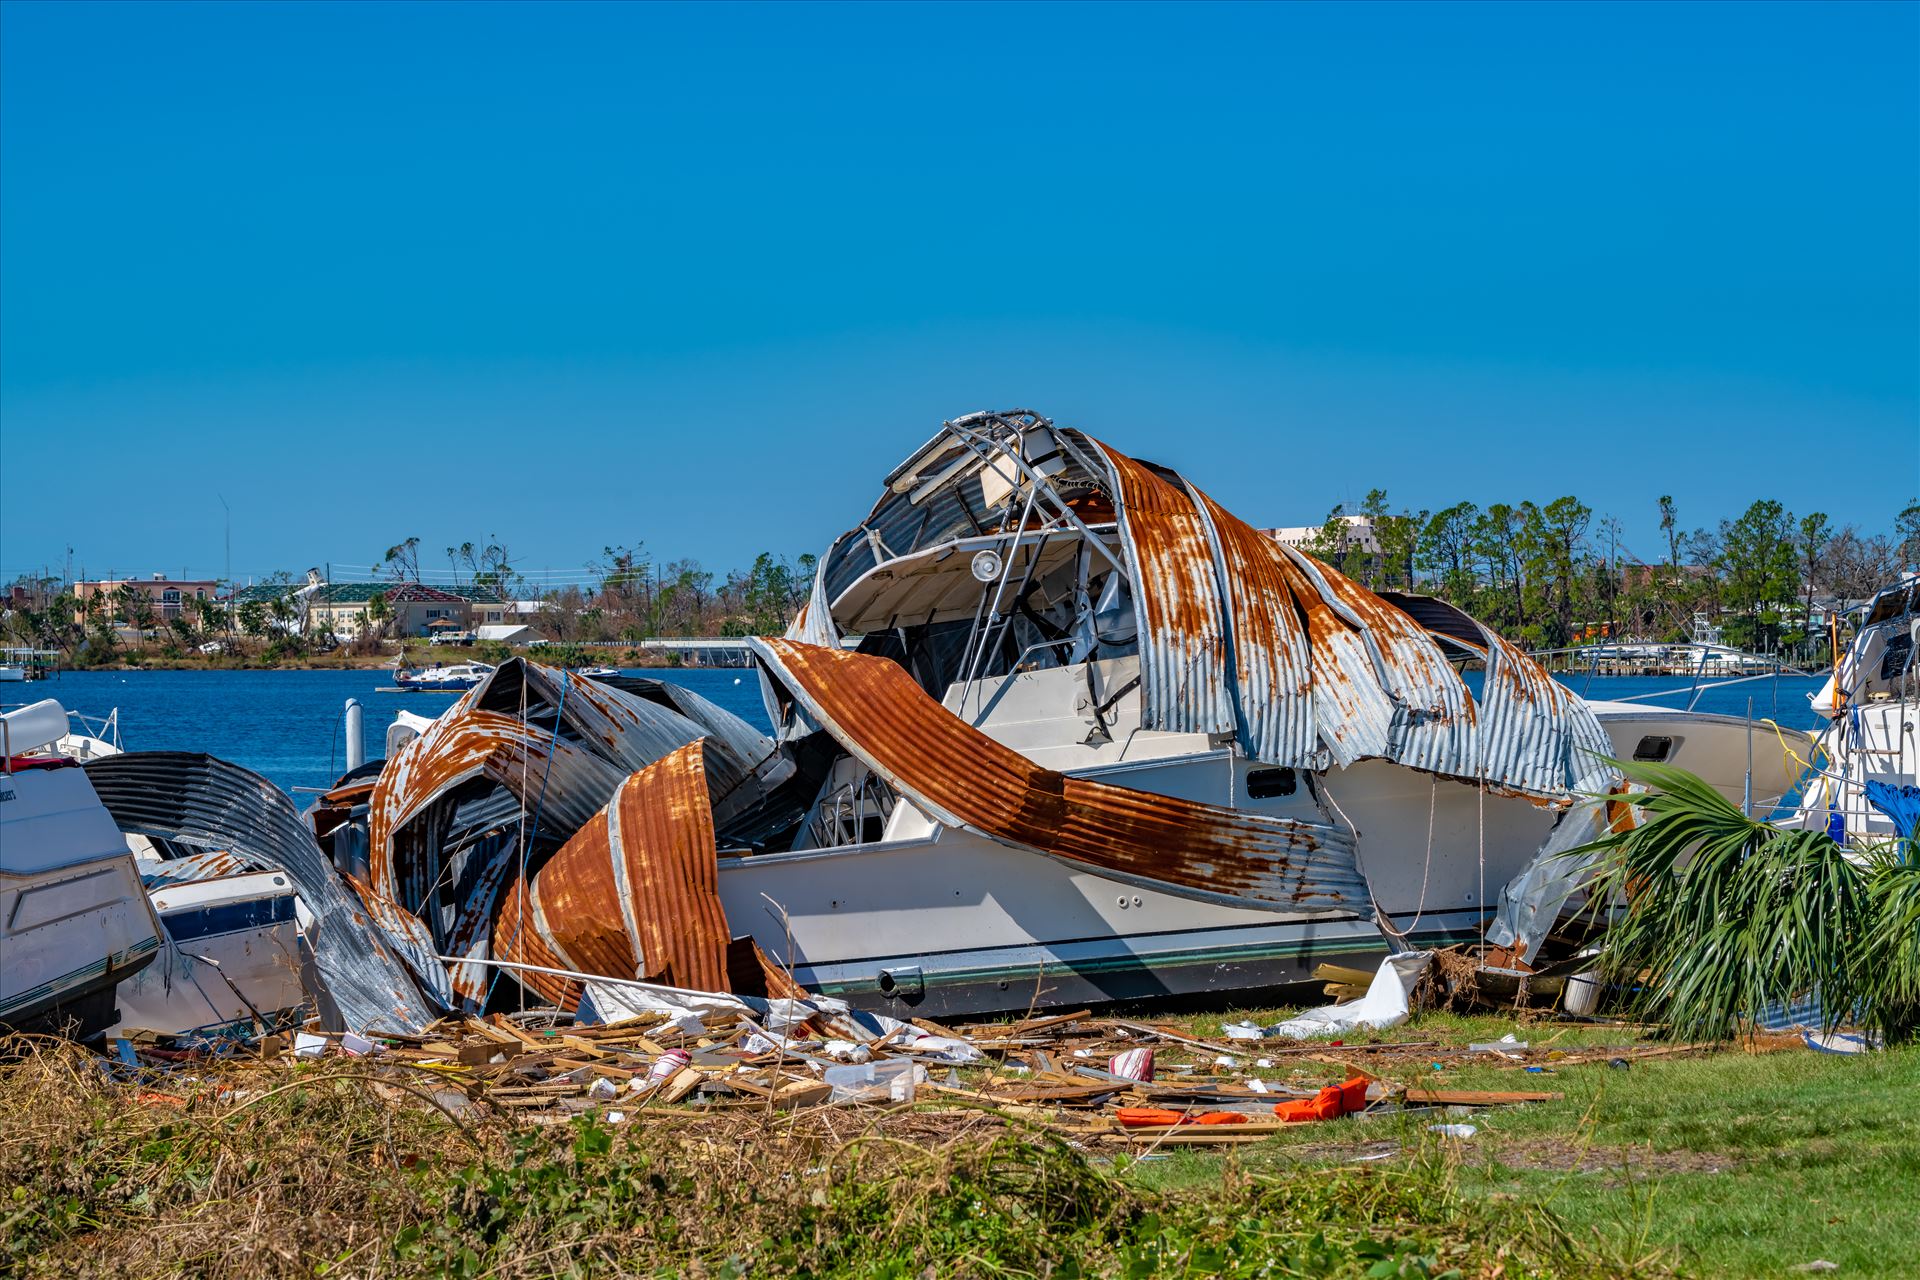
x,y
1732,1163
1727,1164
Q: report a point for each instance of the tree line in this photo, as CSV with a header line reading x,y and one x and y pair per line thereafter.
x,y
1549,575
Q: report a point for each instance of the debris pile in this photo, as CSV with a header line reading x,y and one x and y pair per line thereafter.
x,y
1090,1079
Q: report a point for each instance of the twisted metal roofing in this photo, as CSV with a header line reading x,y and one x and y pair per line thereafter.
x,y
198,800
634,894
1238,634
963,778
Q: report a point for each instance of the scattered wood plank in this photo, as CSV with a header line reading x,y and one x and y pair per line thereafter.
x,y
1475,1097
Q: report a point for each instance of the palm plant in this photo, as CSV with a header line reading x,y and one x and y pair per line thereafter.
x,y
1716,915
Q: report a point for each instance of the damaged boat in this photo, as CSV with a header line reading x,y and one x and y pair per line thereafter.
x,y
1054,727
75,922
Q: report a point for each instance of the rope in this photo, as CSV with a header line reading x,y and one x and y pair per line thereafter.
x,y
1480,791
1433,801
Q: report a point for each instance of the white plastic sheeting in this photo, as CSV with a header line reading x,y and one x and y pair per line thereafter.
x,y
1388,1002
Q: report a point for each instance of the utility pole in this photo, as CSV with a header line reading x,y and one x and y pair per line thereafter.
x,y
228,512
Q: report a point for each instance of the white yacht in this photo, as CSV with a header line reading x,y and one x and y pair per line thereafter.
x,y
1869,750
1054,727
456,677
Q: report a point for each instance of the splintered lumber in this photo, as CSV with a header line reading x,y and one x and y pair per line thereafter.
x,y
1476,1097
1343,976
680,1084
1055,1020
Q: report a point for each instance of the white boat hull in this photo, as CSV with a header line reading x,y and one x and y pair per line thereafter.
x,y
74,917
230,966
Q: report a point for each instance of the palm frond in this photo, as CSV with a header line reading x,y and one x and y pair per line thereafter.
x,y
1717,915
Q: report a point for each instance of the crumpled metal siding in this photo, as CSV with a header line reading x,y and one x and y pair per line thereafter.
x,y
200,800
471,937
1537,736
1433,712
1220,651
1271,662
1183,656
410,939
634,894
479,744
214,864
737,753
1353,714
966,779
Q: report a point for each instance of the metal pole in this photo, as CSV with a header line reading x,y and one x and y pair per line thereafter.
x,y
1746,796
356,736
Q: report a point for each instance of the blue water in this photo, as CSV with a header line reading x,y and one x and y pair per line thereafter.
x,y
286,725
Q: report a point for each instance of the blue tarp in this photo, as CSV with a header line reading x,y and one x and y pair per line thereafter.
x,y
1900,803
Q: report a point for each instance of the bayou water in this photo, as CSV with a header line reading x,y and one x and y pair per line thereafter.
x,y
287,725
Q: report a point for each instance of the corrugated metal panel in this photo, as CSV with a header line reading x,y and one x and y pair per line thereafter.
x,y
1183,653
634,894
1272,676
1537,736
214,864
478,745
196,799
1433,714
410,939
964,778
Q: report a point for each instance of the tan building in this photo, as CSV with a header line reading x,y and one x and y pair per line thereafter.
x,y
169,595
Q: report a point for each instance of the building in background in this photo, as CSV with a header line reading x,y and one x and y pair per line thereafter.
x,y
168,595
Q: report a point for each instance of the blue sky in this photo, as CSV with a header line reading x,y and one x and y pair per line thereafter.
x,y
701,276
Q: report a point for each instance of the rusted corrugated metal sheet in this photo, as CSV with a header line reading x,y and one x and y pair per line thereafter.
x,y
1537,736
1433,714
1237,634
410,939
479,745
197,800
634,894
1272,676
962,777
1183,654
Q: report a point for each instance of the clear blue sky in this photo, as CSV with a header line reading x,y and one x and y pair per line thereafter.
x,y
700,276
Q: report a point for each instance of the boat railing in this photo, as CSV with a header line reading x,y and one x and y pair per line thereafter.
x,y
106,728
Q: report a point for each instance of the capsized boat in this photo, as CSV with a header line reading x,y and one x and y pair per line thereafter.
x,y
74,918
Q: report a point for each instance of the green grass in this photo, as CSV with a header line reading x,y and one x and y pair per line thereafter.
x,y
1733,1164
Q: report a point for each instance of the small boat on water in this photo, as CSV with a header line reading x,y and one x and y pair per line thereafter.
x,y
454,678
599,673
75,921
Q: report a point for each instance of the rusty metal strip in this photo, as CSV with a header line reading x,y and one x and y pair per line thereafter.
x,y
1183,653
634,894
966,779
1434,718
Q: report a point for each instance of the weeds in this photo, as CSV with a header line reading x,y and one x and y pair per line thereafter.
x,y
243,1171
